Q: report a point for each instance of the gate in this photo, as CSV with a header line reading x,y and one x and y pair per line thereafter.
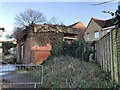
x,y
21,74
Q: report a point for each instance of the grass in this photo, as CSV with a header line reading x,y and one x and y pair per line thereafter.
x,y
67,72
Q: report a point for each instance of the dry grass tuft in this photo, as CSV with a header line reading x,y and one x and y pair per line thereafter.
x,y
67,72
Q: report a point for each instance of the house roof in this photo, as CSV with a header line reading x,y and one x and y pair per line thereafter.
x,y
78,25
109,22
102,23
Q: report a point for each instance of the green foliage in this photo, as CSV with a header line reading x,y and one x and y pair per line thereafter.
x,y
81,41
78,49
55,49
37,74
9,45
114,85
6,46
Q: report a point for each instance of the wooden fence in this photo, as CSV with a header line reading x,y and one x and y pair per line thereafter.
x,y
108,54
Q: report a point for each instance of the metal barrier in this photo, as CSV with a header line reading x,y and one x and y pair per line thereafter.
x,y
21,74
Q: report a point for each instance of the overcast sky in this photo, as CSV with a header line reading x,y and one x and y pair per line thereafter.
x,y
65,12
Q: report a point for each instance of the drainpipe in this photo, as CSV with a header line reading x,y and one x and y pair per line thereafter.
x,y
111,56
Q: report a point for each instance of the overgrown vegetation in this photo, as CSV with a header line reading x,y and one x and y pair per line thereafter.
x,y
78,49
71,70
67,72
6,46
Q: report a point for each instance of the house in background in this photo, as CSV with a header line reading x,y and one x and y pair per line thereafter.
x,y
71,35
97,28
76,33
81,27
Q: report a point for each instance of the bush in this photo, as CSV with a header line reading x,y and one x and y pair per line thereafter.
x,y
56,48
77,49
6,46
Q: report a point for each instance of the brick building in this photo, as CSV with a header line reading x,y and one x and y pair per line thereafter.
x,y
34,44
97,28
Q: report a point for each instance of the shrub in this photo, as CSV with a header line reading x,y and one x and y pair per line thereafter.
x,y
6,46
77,49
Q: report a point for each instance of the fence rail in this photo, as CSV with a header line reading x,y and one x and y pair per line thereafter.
x,y
108,54
21,74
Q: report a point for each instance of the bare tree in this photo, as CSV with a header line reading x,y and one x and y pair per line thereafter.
x,y
29,17
17,33
54,20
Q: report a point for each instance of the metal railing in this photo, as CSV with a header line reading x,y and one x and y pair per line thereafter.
x,y
21,74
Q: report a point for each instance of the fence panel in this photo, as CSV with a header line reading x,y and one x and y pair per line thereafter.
x,y
108,54
115,64
103,54
118,52
98,52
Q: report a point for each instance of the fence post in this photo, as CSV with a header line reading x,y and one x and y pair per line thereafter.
x,y
118,52
111,55
115,58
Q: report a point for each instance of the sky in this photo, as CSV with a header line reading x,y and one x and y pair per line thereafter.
x,y
65,12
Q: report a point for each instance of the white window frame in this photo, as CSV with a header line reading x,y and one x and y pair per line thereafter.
x,y
96,34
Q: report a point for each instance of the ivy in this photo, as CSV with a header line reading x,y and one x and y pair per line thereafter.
x,y
77,49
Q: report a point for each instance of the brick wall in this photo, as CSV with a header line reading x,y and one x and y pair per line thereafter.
x,y
39,37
